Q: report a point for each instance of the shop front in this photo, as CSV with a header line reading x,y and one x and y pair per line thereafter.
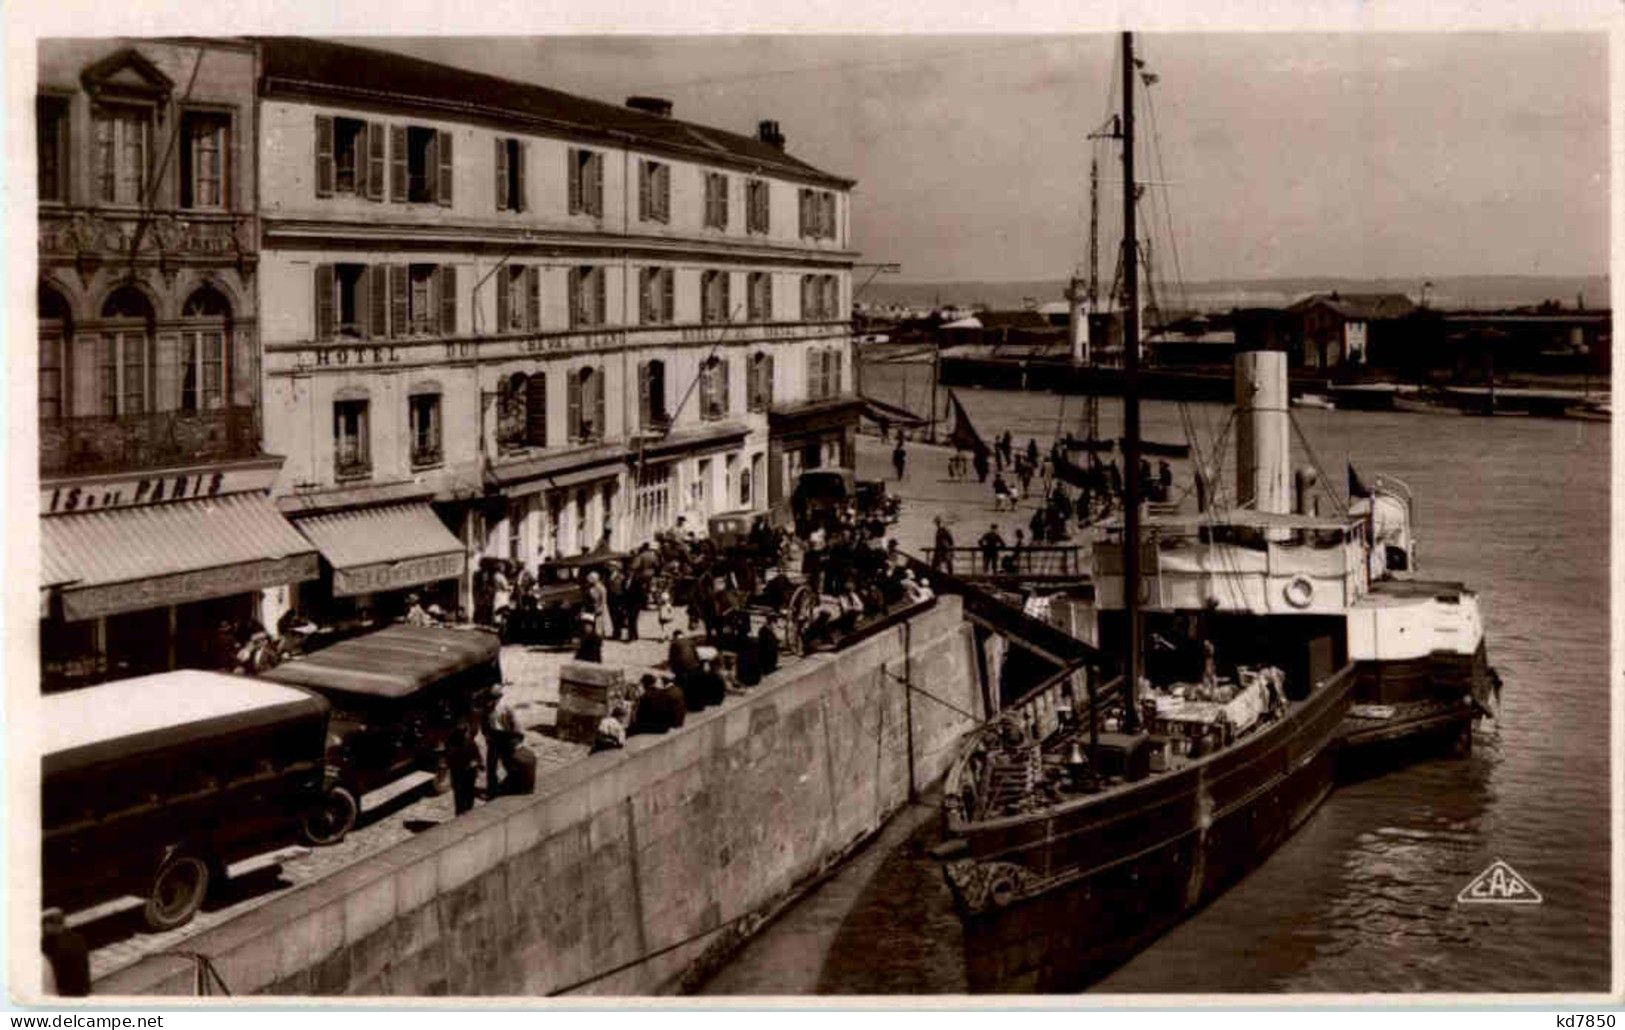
x,y
373,557
808,436
150,573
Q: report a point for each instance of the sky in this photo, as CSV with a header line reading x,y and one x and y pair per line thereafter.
x,y
1281,154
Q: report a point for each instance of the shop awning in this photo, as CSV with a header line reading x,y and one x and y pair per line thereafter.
x,y
125,559
384,548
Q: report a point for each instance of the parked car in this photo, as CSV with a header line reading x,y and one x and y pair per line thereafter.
x,y
152,786
819,496
396,696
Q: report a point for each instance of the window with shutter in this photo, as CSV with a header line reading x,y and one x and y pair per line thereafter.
x,y
375,161
725,391
574,298
595,185
517,162
324,155
377,301
536,410
599,297
572,405
503,200
443,194
398,323
572,167
836,372
645,420
813,371
598,420
324,302
504,311
533,298
448,300
397,163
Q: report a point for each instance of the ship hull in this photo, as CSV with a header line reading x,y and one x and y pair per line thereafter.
x,y
1052,902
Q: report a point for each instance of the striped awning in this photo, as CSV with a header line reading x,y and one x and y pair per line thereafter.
x,y
384,548
126,559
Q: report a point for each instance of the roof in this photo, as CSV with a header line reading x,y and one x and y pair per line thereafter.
x,y
296,66
392,662
1362,306
82,727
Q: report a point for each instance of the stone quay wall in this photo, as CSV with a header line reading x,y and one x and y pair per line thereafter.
x,y
630,872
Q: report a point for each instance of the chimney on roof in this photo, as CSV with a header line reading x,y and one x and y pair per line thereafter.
x,y
768,132
660,107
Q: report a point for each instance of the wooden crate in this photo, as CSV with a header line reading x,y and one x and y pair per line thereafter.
x,y
586,691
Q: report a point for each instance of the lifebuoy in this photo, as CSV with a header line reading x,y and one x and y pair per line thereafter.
x,y
1299,592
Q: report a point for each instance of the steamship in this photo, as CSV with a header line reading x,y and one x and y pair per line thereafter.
x,y
1090,817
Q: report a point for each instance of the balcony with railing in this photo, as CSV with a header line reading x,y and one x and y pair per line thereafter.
x,y
163,439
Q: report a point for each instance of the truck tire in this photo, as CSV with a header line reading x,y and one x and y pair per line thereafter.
x,y
178,890
329,819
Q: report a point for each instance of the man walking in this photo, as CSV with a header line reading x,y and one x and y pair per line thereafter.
x,y
899,457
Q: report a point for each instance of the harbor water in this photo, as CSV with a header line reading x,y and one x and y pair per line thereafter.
x,y
1363,897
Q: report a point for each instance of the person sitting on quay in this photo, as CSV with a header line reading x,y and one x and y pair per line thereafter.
x,y
660,708
463,760
591,646
682,658
767,645
704,687
611,733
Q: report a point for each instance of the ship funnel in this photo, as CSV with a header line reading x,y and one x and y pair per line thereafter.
x,y
1263,432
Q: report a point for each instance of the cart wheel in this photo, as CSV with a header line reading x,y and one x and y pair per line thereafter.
x,y
801,606
177,891
329,819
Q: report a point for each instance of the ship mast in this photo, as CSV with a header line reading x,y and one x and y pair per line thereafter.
x,y
1131,403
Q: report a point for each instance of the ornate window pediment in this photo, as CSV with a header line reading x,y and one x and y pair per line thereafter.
x,y
126,74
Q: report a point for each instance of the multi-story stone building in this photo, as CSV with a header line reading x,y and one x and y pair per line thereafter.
x,y
156,523
501,321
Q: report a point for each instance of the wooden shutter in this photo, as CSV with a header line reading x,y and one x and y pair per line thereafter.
x,y
397,163
645,189
325,284
533,298
503,300
835,372
598,426
397,301
767,381
575,297
519,153
663,192
572,167
536,410
502,174
599,302
378,296
722,202
726,313
572,405
645,419
725,385
443,152
324,155
446,278
595,184
668,294
806,306
373,173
